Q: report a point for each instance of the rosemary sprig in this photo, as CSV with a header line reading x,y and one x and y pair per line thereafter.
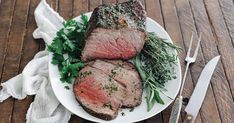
x,y
155,66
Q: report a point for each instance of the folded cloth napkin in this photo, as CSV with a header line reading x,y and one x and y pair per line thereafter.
x,y
34,79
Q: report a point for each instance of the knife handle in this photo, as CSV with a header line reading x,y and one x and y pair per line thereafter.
x,y
188,119
175,113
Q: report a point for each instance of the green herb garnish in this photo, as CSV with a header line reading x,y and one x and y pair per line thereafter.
x,y
154,65
67,87
84,74
111,87
67,46
131,110
108,105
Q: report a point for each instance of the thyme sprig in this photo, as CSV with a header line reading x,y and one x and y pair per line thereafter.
x,y
155,66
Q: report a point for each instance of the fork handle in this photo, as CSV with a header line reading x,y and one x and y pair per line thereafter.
x,y
184,78
175,113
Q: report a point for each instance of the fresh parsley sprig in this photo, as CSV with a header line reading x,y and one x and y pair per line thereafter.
x,y
67,46
154,65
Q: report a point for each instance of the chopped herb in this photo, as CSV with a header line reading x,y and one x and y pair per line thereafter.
x,y
114,72
155,66
120,64
119,16
84,74
67,46
110,87
122,113
110,78
131,110
67,87
108,105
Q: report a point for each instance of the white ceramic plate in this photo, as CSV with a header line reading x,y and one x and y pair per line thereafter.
x,y
67,98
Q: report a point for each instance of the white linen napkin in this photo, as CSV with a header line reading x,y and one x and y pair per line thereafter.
x,y
34,79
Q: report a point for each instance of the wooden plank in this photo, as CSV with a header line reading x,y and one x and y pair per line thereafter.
x,y
53,4
6,12
153,8
222,91
13,53
187,27
76,119
120,1
41,45
209,111
93,4
30,48
80,6
173,29
156,119
108,1
88,121
65,8
227,7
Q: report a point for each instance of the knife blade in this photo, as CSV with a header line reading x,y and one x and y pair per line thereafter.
x,y
200,90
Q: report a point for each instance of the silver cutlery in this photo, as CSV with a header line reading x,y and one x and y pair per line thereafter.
x,y
175,113
200,90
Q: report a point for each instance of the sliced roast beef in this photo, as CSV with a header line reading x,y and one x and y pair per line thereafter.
x,y
123,64
98,94
115,31
102,87
125,74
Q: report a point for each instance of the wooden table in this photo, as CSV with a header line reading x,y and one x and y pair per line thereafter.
x,y
214,18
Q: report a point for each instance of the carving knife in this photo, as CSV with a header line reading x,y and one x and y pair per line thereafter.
x,y
200,90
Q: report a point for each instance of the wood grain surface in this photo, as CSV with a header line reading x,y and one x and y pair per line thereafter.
x,y
213,18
